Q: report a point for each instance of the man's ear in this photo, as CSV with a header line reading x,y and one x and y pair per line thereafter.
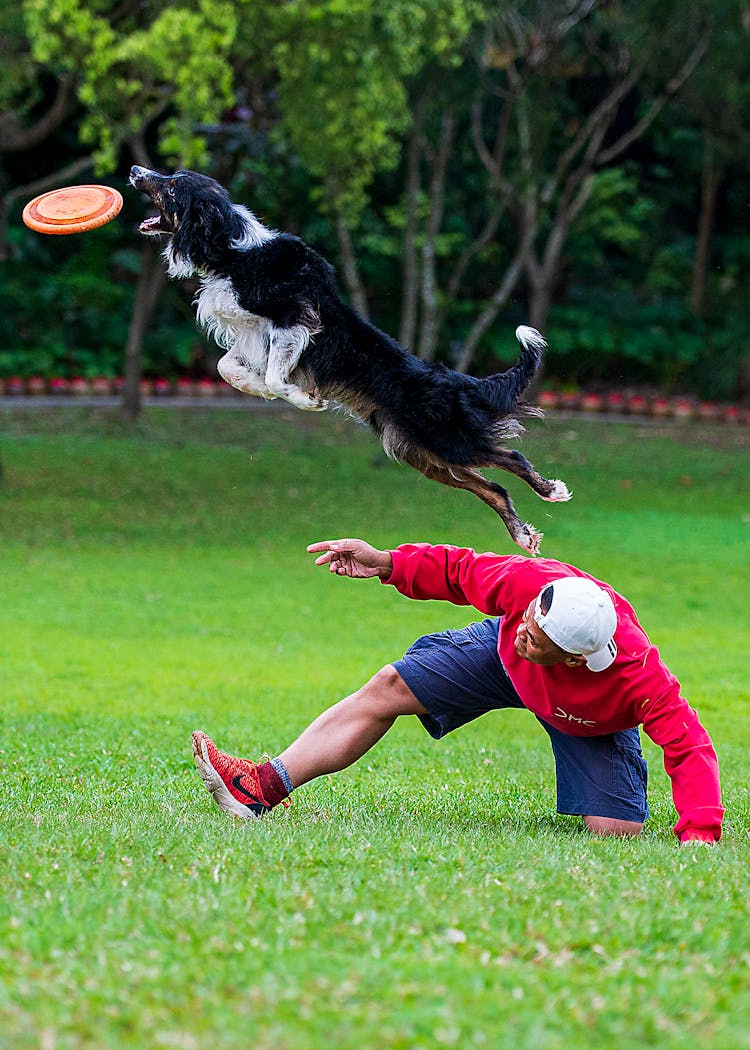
x,y
574,660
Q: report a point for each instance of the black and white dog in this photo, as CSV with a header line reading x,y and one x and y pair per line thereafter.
x,y
271,302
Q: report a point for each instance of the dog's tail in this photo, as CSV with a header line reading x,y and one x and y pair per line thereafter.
x,y
505,388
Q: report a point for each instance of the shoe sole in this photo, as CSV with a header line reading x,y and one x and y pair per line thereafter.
x,y
216,786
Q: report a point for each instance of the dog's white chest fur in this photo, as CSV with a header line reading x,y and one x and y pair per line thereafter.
x,y
259,357
232,327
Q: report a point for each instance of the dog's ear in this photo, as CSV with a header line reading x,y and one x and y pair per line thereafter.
x,y
206,220
207,211
213,215
218,219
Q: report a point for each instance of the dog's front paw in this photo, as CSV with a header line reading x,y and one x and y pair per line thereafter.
x,y
528,538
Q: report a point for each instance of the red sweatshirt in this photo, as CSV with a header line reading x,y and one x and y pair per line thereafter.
x,y
637,689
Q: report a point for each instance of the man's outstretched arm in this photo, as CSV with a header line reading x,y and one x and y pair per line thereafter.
x,y
353,558
423,571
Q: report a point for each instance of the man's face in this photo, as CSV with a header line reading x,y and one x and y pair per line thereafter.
x,y
532,644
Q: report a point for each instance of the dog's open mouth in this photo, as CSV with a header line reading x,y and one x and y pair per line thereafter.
x,y
155,224
150,183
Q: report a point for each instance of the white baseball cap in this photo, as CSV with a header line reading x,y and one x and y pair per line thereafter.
x,y
580,618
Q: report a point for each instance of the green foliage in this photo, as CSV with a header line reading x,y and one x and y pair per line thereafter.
x,y
616,339
303,108
343,70
428,896
175,67
614,219
73,324
19,89
65,305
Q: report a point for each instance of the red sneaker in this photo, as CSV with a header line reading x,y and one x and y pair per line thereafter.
x,y
233,782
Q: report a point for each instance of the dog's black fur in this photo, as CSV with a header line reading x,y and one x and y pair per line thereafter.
x,y
272,304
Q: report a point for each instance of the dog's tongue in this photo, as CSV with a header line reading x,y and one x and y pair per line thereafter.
x,y
151,224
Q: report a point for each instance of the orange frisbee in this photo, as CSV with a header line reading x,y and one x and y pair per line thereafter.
x,y
73,209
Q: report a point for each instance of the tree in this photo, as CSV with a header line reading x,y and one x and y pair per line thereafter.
x,y
560,92
717,101
30,113
343,69
136,71
465,155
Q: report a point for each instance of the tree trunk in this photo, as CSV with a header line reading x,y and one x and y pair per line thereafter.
x,y
542,275
498,300
352,280
151,282
710,180
540,302
430,327
410,266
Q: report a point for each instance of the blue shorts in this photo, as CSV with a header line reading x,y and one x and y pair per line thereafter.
x,y
458,676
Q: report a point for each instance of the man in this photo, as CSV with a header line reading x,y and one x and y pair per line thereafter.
x,y
562,644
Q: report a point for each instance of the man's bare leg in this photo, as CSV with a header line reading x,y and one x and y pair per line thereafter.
x,y
346,731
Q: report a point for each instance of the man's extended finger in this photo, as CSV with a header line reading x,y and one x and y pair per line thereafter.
x,y
322,545
346,545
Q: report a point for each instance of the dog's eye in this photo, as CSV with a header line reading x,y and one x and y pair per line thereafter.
x,y
169,190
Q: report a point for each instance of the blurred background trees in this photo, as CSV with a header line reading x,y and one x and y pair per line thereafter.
x,y
466,165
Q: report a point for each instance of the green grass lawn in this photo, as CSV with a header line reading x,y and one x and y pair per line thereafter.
x,y
155,581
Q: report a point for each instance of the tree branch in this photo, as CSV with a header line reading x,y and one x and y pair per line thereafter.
x,y
472,250
56,178
138,149
656,106
409,262
348,256
602,113
498,299
33,189
429,327
14,137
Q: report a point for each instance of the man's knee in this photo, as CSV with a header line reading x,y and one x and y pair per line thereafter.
x,y
612,826
390,693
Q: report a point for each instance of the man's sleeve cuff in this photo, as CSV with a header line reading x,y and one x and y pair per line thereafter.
x,y
391,579
696,835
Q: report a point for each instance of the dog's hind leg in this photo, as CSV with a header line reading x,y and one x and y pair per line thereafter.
x,y
494,495
286,348
515,463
